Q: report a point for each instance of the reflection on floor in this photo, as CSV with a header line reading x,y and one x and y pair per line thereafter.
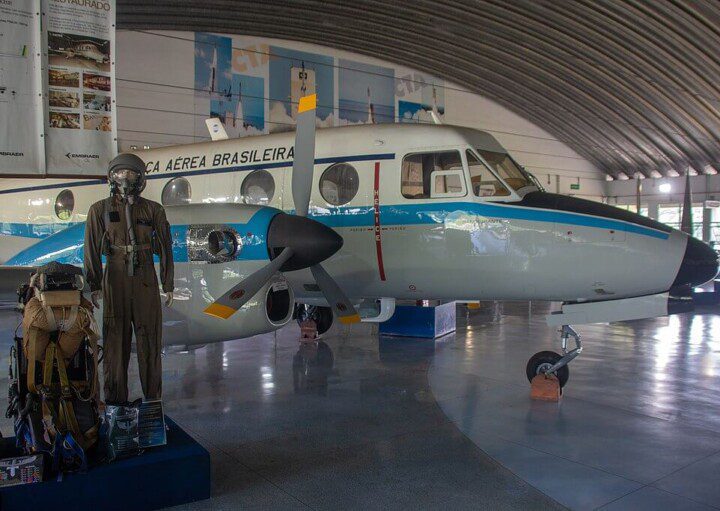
x,y
639,423
360,424
343,426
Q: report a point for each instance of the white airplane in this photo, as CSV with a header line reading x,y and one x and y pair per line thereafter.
x,y
391,211
87,50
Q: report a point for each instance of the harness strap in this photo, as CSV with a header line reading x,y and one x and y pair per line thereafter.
x,y
93,335
68,322
32,356
67,412
50,417
64,418
129,249
50,318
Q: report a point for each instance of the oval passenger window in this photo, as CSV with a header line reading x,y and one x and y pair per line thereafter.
x,y
176,192
64,205
339,184
258,188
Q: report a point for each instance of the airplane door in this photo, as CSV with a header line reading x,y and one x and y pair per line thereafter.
x,y
430,191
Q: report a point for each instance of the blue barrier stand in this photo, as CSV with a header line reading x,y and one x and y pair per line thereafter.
x,y
174,474
417,321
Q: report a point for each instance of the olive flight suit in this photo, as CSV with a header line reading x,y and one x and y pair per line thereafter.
x,y
129,302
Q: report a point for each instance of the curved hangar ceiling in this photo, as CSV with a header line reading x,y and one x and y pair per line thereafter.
x,y
631,85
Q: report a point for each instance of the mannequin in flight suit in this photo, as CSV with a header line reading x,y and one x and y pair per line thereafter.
x,y
125,228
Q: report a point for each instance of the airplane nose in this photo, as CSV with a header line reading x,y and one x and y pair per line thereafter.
x,y
699,264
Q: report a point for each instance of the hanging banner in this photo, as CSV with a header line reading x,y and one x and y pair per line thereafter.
x,y
21,104
81,114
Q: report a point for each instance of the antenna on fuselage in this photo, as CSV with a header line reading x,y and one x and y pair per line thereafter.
x,y
216,129
435,112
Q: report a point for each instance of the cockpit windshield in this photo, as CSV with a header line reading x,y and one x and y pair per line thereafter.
x,y
507,169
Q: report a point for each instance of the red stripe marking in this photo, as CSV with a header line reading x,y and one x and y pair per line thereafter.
x,y
376,206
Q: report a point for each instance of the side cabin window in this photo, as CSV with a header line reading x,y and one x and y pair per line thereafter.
x,y
258,187
483,181
432,175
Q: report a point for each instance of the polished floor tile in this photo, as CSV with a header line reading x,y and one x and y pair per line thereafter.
x,y
699,481
652,499
572,484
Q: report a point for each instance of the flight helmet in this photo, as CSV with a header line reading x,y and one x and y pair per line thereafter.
x,y
126,175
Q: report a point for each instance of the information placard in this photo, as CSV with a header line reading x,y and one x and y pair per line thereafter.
x,y
21,105
151,424
81,117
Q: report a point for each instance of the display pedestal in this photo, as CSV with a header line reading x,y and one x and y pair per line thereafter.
x,y
417,321
174,474
707,297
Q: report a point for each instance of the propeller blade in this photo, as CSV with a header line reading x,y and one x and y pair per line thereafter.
x,y
229,303
340,304
304,156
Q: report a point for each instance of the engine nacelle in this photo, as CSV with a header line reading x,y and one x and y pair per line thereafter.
x,y
185,323
215,246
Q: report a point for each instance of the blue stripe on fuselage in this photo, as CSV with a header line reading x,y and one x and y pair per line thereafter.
x,y
66,246
433,213
39,231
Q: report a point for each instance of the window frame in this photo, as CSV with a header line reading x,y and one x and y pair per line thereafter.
x,y
513,197
449,172
463,172
331,167
270,197
186,200
71,210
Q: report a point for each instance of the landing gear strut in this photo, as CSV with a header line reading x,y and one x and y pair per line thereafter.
x,y
323,316
549,362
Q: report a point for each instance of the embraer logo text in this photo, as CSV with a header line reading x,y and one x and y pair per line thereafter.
x,y
10,153
75,155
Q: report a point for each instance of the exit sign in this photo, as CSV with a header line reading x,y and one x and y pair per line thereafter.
x,y
574,186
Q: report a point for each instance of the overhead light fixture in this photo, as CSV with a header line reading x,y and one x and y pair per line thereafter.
x,y
655,174
665,187
673,173
622,176
146,147
609,178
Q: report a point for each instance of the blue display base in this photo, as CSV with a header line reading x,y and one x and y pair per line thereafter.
x,y
416,321
708,297
177,473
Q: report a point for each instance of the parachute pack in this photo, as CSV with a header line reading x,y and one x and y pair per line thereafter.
x,y
54,382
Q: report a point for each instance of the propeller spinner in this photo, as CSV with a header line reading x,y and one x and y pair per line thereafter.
x,y
295,242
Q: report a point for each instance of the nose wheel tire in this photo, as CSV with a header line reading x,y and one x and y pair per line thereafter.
x,y
544,360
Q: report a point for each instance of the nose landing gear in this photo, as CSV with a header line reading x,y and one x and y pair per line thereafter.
x,y
551,363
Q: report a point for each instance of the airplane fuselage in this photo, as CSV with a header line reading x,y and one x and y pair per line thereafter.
x,y
457,243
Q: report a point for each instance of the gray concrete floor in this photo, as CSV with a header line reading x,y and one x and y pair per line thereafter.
x,y
417,424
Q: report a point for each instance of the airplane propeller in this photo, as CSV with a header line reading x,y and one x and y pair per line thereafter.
x,y
294,241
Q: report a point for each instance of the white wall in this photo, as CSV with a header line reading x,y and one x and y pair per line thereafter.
x,y
158,115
